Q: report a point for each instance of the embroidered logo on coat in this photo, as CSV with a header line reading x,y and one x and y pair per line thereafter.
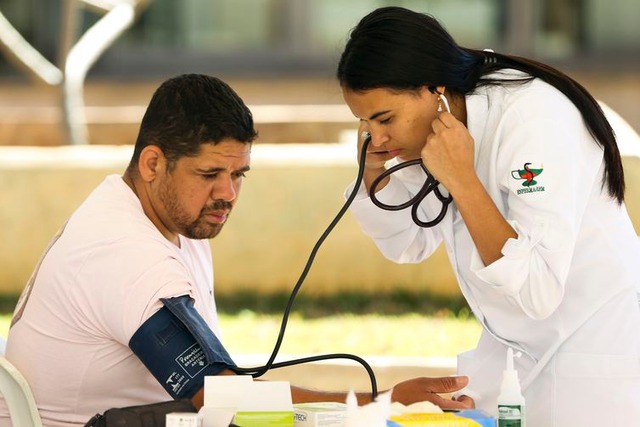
x,y
528,175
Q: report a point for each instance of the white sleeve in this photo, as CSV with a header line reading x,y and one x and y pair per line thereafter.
x,y
394,232
549,134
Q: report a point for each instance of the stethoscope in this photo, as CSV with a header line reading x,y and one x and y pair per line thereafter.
x,y
430,185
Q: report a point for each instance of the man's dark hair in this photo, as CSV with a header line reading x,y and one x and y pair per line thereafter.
x,y
190,110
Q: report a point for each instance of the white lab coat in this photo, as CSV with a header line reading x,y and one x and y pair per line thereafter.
x,y
564,292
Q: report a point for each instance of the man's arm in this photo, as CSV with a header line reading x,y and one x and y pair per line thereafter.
x,y
407,392
163,339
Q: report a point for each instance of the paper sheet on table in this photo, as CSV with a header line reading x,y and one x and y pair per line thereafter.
x,y
374,414
226,391
216,417
377,413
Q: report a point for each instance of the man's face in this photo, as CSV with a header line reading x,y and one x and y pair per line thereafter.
x,y
196,196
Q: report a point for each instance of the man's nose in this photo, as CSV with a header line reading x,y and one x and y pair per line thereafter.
x,y
224,189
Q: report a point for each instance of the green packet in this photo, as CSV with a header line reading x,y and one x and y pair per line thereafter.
x,y
264,419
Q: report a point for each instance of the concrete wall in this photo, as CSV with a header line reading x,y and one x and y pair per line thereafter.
x,y
288,199
291,195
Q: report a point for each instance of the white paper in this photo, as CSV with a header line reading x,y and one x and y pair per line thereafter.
x,y
225,391
374,414
216,417
267,396
225,395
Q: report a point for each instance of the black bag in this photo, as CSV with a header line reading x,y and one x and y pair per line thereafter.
x,y
153,415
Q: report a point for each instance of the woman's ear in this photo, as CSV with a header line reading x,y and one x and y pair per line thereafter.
x,y
436,89
151,163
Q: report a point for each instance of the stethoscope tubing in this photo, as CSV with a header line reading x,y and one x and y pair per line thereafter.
x,y
430,185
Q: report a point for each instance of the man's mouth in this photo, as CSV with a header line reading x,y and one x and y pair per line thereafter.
x,y
216,217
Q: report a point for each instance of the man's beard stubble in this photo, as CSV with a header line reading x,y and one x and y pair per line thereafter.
x,y
192,229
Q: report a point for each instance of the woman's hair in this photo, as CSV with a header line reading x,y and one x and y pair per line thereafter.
x,y
190,110
398,49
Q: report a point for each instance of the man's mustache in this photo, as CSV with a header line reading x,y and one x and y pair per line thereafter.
x,y
217,206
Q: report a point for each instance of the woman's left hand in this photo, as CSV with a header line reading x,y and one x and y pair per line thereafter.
x,y
449,152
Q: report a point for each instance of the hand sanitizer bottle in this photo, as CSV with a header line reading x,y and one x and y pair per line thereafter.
x,y
510,400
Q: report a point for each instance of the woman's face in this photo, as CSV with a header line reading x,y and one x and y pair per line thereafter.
x,y
399,122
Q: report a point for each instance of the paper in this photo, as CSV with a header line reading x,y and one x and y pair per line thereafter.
x,y
374,414
232,398
267,396
215,417
225,391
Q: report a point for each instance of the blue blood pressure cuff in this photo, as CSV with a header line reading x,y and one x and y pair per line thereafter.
x,y
179,349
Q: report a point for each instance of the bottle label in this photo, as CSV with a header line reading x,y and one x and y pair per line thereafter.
x,y
510,416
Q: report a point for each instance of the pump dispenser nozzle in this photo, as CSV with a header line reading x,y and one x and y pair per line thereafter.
x,y
510,400
509,372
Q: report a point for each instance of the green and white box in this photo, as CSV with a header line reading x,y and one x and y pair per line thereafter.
x,y
320,414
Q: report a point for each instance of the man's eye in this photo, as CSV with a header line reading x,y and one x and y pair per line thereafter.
x,y
210,176
239,175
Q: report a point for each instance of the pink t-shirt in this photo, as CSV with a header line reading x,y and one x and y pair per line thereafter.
x,y
101,278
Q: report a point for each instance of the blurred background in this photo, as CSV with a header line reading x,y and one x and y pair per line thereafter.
x,y
303,37
76,76
279,52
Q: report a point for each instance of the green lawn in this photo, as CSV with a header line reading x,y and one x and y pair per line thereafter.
x,y
362,334
370,334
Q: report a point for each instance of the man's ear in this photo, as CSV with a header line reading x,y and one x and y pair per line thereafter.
x,y
151,163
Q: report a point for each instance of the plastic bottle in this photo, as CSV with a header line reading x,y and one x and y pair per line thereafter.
x,y
511,408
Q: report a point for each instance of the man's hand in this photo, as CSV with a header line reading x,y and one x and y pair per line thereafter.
x,y
429,389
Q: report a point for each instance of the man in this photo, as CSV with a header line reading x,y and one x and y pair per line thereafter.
x,y
120,310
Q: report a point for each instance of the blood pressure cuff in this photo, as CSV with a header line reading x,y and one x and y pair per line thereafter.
x,y
179,349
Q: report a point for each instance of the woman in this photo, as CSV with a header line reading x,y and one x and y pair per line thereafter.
x,y
538,234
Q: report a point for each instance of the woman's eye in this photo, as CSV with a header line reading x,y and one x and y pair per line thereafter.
x,y
385,121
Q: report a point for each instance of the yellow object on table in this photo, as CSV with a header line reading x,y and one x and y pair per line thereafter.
x,y
446,419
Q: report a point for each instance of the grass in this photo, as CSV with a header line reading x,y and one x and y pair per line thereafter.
x,y
395,324
369,334
398,323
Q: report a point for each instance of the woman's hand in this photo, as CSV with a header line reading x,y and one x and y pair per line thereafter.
x,y
449,156
449,152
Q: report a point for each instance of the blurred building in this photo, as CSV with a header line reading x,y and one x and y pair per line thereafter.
x,y
285,52
304,37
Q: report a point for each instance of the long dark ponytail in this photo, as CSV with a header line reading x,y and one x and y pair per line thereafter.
x,y
396,48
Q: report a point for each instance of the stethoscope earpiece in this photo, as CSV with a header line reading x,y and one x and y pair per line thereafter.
x,y
444,101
